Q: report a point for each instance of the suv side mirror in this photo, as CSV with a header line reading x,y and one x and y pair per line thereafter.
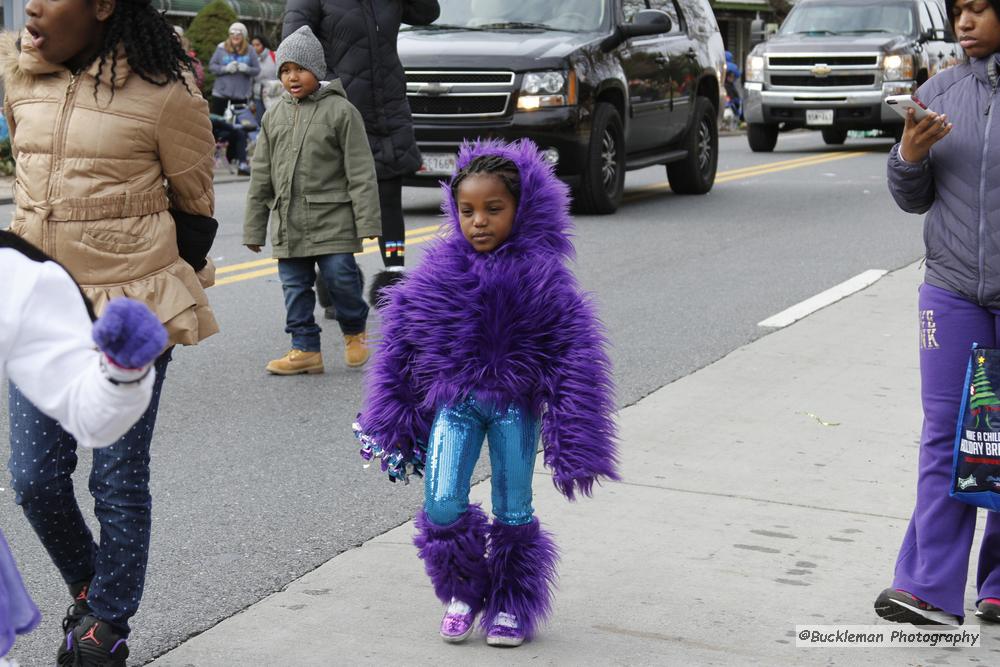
x,y
758,32
928,35
646,22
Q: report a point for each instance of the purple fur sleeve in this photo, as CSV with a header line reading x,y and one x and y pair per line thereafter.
x,y
578,429
391,415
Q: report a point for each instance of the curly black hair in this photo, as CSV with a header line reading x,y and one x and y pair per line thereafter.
x,y
497,165
152,47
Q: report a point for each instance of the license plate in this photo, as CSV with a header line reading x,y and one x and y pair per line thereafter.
x,y
438,164
819,116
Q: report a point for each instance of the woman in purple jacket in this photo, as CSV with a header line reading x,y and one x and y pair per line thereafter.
x,y
948,166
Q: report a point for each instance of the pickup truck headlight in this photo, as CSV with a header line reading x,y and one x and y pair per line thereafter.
x,y
547,89
897,67
754,71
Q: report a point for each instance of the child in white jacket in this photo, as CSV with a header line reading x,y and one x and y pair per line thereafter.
x,y
95,378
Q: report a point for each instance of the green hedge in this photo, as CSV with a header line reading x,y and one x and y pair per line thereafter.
x,y
6,159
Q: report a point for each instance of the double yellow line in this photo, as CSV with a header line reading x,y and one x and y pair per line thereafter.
x,y
756,170
269,267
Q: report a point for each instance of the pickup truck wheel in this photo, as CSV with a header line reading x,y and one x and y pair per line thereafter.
x,y
762,138
695,174
603,181
834,136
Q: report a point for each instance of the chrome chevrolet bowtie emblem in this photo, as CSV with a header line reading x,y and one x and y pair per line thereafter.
x,y
430,88
821,70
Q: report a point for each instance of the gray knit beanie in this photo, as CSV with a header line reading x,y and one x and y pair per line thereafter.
x,y
303,49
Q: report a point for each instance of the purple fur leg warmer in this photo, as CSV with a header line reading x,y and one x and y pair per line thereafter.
x,y
455,556
522,564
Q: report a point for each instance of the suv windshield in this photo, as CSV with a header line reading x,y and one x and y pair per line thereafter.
x,y
846,19
569,15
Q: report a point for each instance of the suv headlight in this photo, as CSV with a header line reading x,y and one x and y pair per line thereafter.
x,y
754,71
897,67
547,89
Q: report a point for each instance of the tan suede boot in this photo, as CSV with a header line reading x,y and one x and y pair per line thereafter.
x,y
296,362
356,350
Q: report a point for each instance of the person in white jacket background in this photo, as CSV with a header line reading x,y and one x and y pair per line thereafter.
x,y
94,377
47,348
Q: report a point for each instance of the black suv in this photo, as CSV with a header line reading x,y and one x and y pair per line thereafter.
x,y
602,86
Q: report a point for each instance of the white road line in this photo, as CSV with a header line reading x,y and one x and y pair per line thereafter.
x,y
823,299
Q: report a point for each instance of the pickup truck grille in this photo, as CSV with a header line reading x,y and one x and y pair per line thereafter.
x,y
458,94
820,71
832,61
823,82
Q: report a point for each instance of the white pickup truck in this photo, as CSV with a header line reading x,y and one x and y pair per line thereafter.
x,y
833,62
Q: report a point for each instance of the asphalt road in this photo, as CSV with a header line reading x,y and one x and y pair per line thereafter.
x,y
256,479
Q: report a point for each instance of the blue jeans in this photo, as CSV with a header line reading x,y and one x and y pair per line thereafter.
x,y
343,281
42,461
455,441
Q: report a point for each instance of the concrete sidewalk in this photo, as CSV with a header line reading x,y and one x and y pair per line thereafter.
x,y
768,489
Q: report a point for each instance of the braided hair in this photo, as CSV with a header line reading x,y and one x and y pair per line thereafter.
x,y
151,44
496,165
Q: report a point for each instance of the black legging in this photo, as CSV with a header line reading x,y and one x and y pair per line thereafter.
x,y
392,242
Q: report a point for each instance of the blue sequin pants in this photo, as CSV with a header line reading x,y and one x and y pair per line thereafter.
x,y
455,441
42,461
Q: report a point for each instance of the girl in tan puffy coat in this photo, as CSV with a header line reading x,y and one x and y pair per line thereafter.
x,y
109,134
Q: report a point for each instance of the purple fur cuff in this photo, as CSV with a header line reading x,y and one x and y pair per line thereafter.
x,y
455,556
522,563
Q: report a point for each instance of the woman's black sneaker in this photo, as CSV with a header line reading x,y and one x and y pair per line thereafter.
x,y
989,610
74,614
901,607
93,643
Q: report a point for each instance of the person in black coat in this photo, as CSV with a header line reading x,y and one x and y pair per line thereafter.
x,y
359,41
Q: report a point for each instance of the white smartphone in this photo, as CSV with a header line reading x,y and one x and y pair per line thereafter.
x,y
900,103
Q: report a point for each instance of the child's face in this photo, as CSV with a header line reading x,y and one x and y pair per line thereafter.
x,y
486,210
258,46
977,26
66,30
298,81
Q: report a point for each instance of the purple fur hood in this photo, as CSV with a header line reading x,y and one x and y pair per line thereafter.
x,y
512,325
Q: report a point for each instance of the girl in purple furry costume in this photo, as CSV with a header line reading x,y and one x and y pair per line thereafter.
x,y
492,336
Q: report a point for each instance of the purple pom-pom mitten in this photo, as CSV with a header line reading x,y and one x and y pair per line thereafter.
x,y
129,333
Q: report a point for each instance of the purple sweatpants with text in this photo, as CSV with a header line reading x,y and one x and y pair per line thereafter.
x,y
934,559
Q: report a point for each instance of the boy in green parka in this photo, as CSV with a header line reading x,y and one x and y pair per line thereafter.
x,y
314,177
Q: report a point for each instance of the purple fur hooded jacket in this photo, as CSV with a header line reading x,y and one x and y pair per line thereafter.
x,y
511,324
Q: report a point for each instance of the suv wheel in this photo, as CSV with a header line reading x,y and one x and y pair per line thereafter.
x,y
762,138
834,136
695,174
603,179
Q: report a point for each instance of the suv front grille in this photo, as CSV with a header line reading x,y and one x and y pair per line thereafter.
x,y
456,105
823,82
458,94
821,59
